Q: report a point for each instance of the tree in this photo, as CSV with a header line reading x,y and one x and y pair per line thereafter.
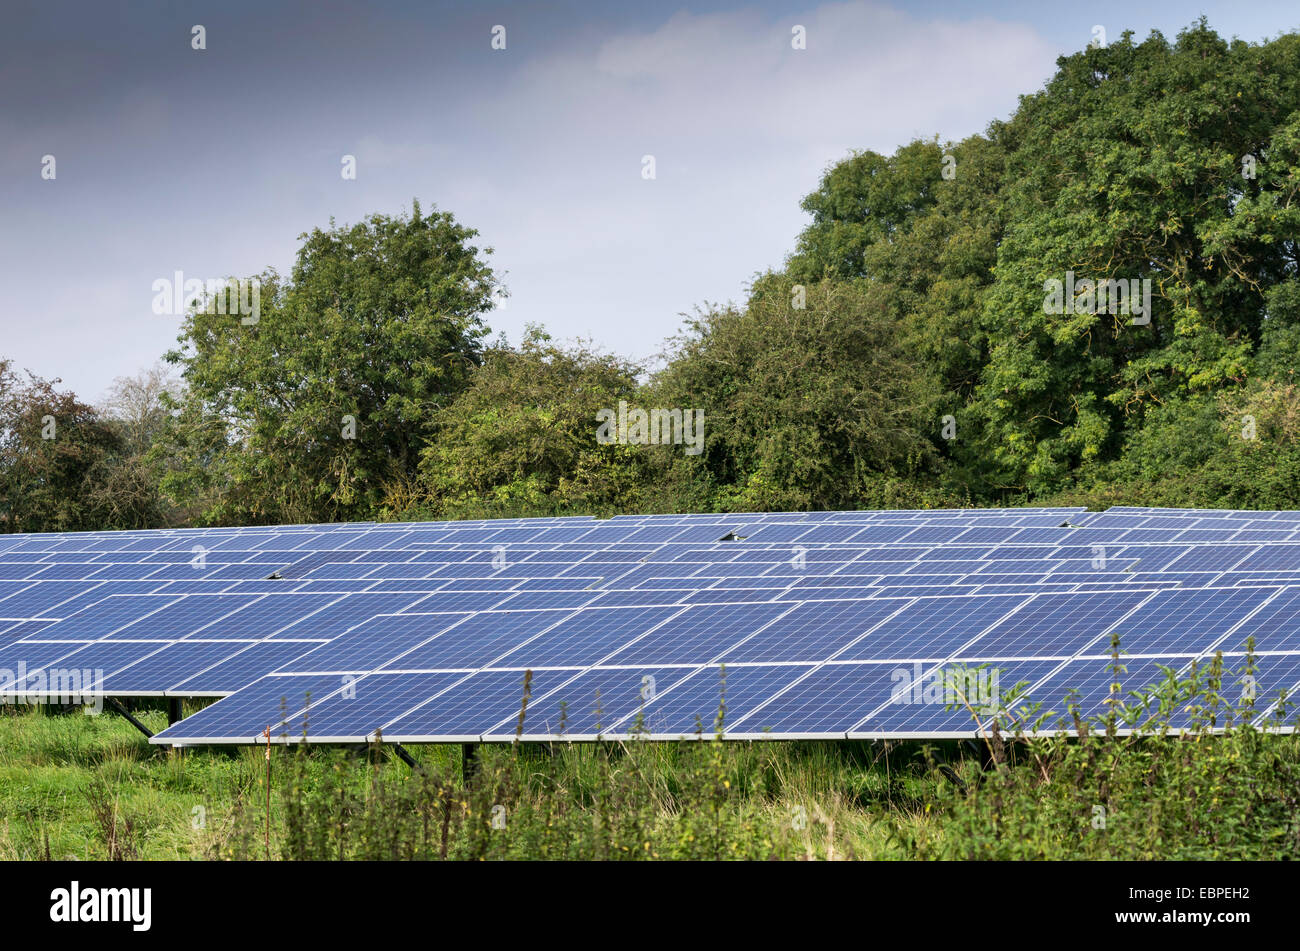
x,y
139,406
308,412
810,401
1132,164
138,410
522,439
54,452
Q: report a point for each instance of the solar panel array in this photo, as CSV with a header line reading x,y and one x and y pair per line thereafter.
x,y
796,625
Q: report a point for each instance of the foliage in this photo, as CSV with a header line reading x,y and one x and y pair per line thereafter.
x,y
811,404
336,387
1095,791
54,452
903,356
522,437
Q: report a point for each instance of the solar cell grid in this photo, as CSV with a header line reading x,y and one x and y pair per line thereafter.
x,y
711,698
478,640
476,704
1188,621
374,643
937,574
931,627
1055,625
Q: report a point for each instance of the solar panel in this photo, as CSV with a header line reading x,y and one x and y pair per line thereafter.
x,y
794,602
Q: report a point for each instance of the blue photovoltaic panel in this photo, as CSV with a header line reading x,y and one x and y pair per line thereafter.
x,y
790,592
567,583
1056,625
586,637
1276,627
955,698
155,671
187,616
339,571
812,632
63,571
475,705
932,535
372,643
39,599
19,658
1271,557
17,630
959,554
268,615
533,600
245,664
820,534
462,600
932,628
1269,690
732,595
348,611
476,641
1211,558
103,618
360,708
602,700
1088,684
1183,622
698,635
710,694
85,668
336,586
614,599
242,716
827,702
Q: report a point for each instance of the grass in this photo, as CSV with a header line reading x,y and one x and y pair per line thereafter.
x,y
93,788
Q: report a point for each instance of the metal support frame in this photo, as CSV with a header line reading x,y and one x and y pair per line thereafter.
x,y
468,760
174,710
950,774
982,753
407,758
112,702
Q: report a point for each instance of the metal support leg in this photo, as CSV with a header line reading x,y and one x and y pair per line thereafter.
x,y
950,774
112,702
468,760
407,758
174,714
982,753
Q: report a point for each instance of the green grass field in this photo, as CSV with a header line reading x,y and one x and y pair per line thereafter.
x,y
92,787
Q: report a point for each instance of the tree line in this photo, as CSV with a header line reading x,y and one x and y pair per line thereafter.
x,y
915,349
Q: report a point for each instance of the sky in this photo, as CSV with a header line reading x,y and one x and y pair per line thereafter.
x,y
213,162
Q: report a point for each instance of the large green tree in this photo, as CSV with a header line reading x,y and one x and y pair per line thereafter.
x,y
1135,162
324,402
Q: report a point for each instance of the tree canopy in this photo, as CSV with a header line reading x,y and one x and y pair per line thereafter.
x,y
1095,301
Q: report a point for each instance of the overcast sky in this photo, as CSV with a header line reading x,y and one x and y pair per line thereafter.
x,y
213,162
